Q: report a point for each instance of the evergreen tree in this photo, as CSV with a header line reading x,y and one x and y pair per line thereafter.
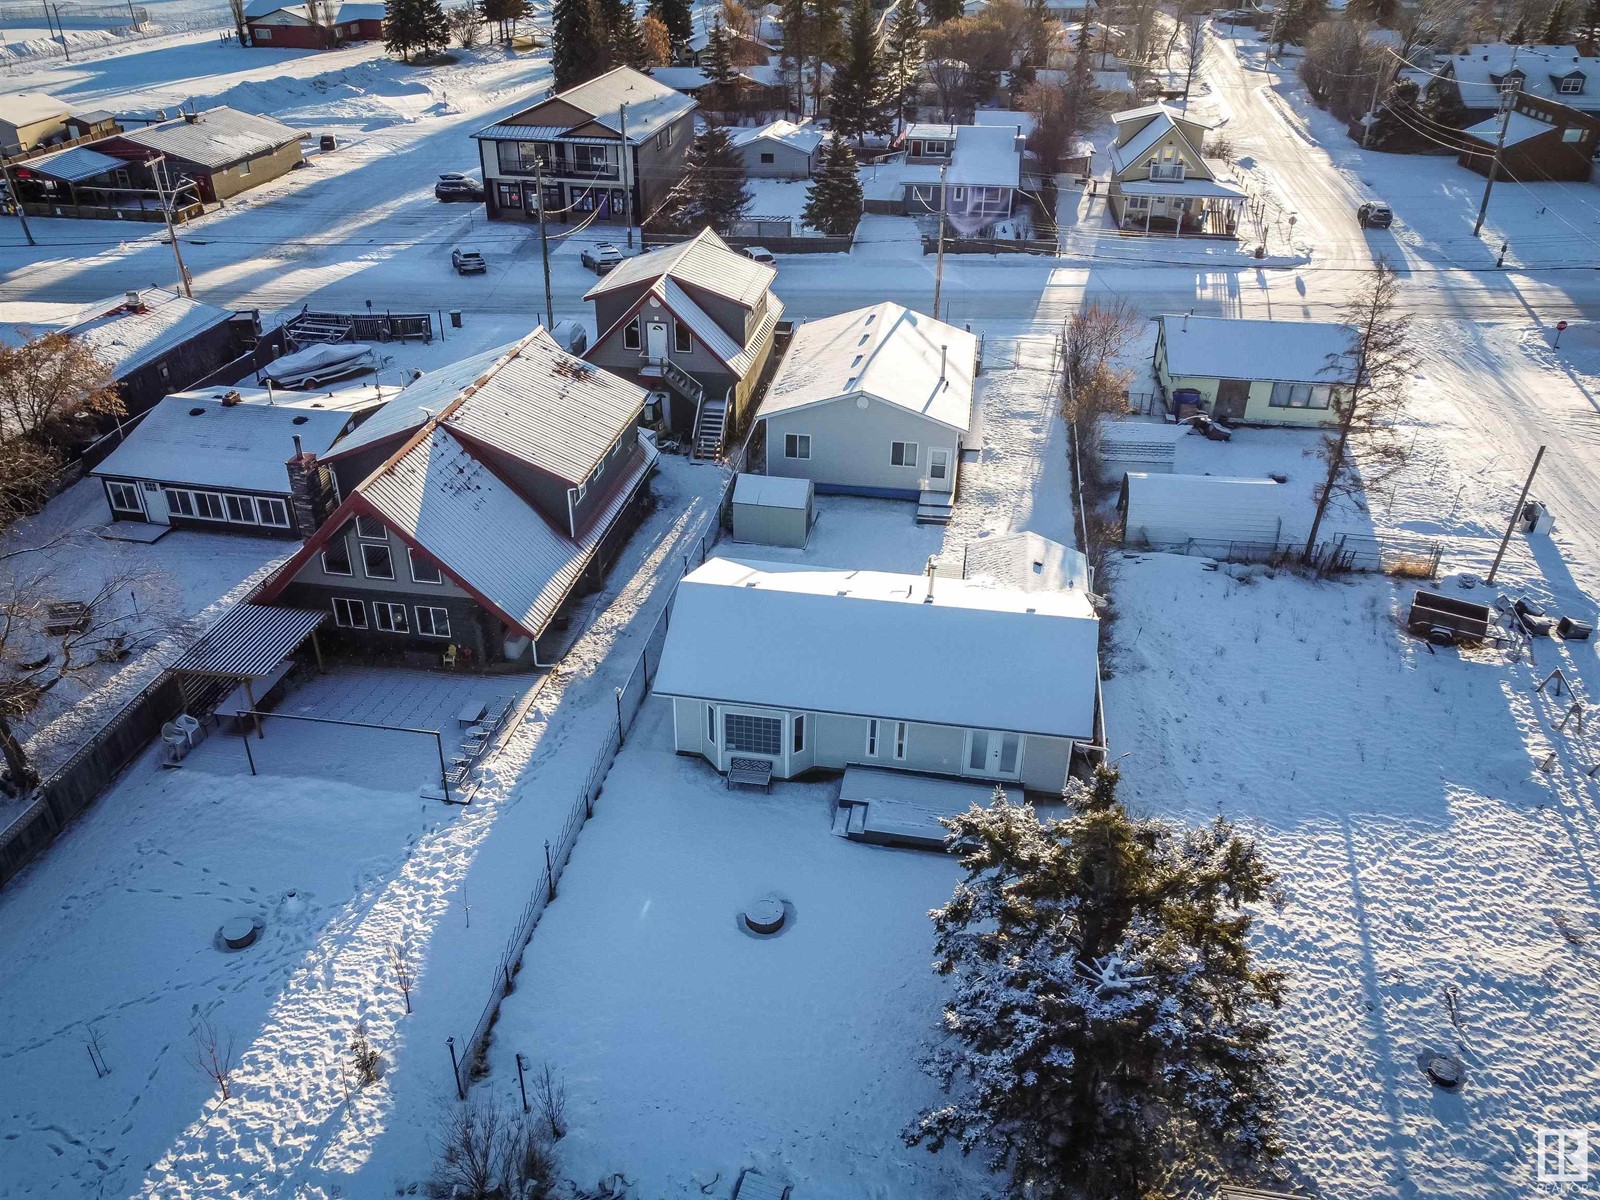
x,y
714,191
902,53
1555,29
624,43
578,44
796,18
833,201
415,25
674,14
722,78
940,11
858,86
1036,45
433,27
504,14
1519,32
1108,1021
827,41
1589,27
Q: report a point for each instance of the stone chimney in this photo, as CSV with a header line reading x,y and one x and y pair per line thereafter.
x,y
310,490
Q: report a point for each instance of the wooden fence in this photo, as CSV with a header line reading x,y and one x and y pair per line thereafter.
x,y
778,245
953,245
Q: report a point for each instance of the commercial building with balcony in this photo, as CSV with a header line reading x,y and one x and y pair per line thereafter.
x,y
594,143
1161,180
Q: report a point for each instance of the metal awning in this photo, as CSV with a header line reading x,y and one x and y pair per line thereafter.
x,y
73,166
250,641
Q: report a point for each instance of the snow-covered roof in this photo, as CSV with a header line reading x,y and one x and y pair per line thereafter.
x,y
1225,348
704,261
887,180
129,337
1161,121
680,79
529,400
867,643
930,129
772,491
218,137
804,137
29,108
986,155
1519,128
1164,509
73,165
886,352
359,10
1480,71
1024,561
211,444
1005,118
651,106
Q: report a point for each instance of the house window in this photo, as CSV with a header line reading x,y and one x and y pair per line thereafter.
x,y
244,167
432,621
958,195
272,512
181,503
797,445
872,739
681,341
769,157
510,195
902,454
198,504
1301,395
241,508
711,724
631,339
934,150
261,34
350,614
747,734
336,558
424,569
1572,85
922,194
371,527
376,562
391,618
900,740
799,732
1572,135
664,138
124,498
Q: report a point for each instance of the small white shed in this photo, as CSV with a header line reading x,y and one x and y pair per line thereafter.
x,y
771,510
1139,446
1205,511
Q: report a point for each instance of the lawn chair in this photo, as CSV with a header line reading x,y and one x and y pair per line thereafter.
x,y
449,656
175,745
495,715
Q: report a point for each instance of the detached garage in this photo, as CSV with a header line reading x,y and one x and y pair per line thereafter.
x,y
772,511
1202,512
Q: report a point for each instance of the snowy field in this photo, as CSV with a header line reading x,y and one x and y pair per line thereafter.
x,y
692,1050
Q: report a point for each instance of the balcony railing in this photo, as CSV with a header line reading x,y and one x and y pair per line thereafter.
x,y
1167,172
560,168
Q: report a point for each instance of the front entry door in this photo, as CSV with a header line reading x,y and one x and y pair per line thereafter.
x,y
938,469
155,504
994,755
655,341
1233,395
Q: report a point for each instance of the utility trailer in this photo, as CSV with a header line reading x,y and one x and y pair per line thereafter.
x,y
1445,620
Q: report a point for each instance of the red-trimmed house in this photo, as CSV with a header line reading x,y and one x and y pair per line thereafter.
x,y
274,25
477,504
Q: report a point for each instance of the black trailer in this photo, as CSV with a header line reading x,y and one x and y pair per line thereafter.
x,y
1445,619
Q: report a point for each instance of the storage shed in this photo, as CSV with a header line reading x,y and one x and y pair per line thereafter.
x,y
1203,512
771,510
1139,446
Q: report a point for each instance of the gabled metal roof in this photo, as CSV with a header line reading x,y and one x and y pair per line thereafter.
x,y
704,261
651,106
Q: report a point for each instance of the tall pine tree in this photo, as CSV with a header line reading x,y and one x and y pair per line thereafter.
x,y
902,54
578,43
722,79
415,25
796,18
827,30
624,42
940,11
675,15
1555,29
858,91
1589,27
833,201
714,191
1108,1022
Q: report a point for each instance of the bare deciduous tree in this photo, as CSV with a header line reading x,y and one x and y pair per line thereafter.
x,y
236,11
213,1053
1092,384
550,1095
949,77
400,964
49,379
364,1056
484,1154
466,24
1378,365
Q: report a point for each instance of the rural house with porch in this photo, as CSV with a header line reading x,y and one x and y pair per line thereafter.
x,y
1161,180
1255,372
477,504
592,145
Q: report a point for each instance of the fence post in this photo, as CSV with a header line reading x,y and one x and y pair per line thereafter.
x,y
521,1086
549,867
621,735
455,1068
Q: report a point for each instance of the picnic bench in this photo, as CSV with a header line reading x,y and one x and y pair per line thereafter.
x,y
749,772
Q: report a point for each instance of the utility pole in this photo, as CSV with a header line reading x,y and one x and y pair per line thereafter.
x,y
1507,103
544,244
11,192
160,162
1372,111
66,51
1516,514
627,161
938,270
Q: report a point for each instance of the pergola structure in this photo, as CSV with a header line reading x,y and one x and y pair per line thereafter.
x,y
252,645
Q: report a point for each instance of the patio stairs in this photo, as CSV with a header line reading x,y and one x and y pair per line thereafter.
x,y
934,508
710,428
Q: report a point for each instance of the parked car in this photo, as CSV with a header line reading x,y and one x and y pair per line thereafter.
x,y
760,254
1374,215
453,186
601,257
468,262
571,336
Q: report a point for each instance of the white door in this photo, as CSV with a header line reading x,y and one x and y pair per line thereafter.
x,y
938,469
994,755
655,340
155,504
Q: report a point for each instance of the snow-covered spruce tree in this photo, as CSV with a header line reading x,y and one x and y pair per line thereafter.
x,y
833,202
714,191
1109,1027
578,43
858,88
433,27
722,79
902,56
624,43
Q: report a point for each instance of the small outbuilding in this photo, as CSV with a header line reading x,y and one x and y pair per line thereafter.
x,y
1538,139
1139,446
1257,372
779,149
772,511
1207,513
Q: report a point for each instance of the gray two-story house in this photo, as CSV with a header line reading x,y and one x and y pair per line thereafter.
x,y
594,143
694,323
485,497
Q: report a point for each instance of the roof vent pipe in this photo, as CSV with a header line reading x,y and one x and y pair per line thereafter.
x,y
1186,317
928,599
299,450
944,359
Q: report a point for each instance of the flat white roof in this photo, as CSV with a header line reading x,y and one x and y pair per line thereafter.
x,y
886,351
1227,348
772,491
867,643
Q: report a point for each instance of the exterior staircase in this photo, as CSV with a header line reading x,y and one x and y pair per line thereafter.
x,y
934,508
710,427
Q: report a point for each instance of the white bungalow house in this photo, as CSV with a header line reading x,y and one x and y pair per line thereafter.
x,y
1161,180
1257,372
874,402
776,670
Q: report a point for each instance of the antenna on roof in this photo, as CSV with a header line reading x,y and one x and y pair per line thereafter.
x,y
1186,317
